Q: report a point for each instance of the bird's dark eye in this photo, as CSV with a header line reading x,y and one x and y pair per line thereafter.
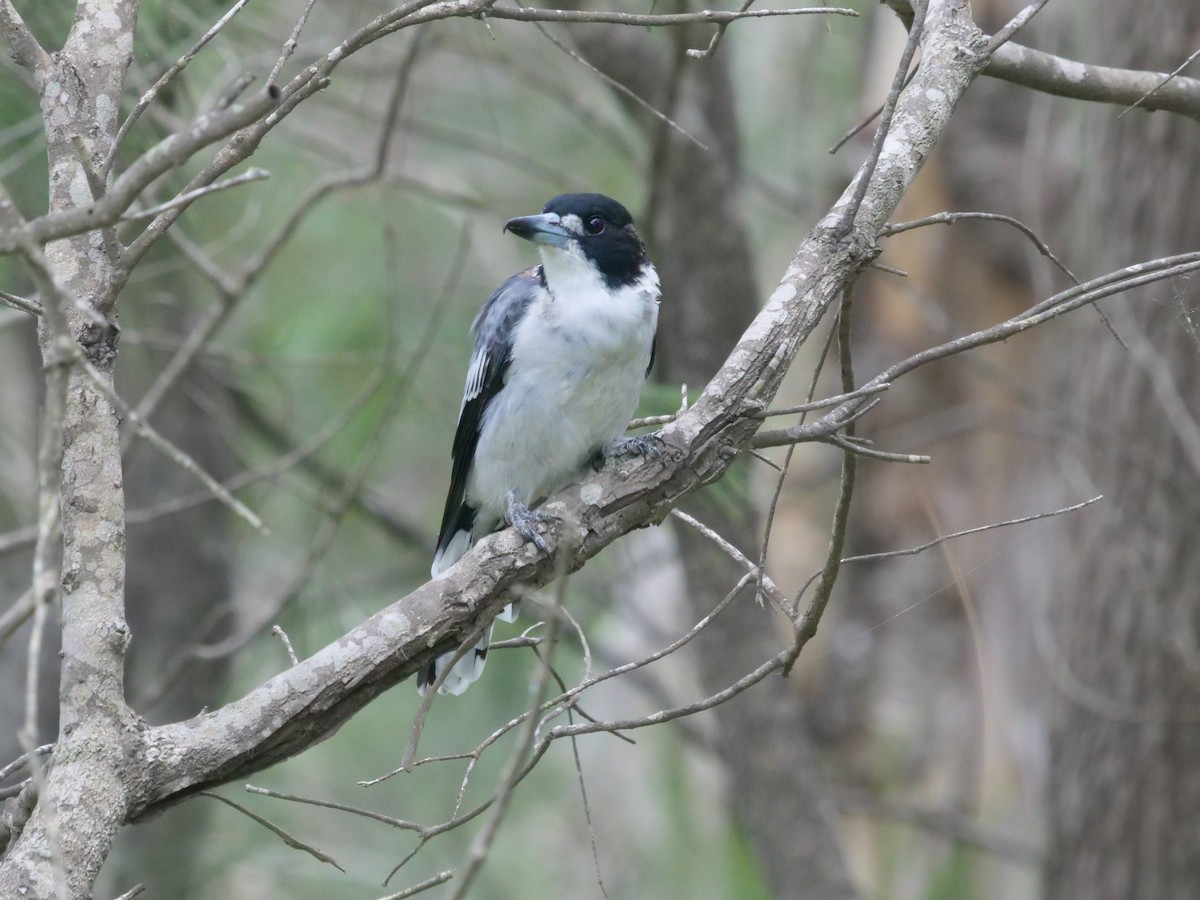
x,y
594,225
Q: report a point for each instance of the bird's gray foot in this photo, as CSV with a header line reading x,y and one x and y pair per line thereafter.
x,y
526,521
643,445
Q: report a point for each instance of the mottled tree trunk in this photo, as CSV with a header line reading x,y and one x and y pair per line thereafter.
x,y
1124,791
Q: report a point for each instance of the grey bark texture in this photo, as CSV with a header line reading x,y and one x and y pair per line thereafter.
x,y
85,795
1124,789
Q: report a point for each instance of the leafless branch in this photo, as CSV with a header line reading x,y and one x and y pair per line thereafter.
x,y
1060,304
421,886
187,198
26,51
835,400
148,97
862,448
294,843
160,159
1063,77
807,625
481,846
663,420
606,17
921,548
287,644
621,88
766,584
290,45
912,551
1019,21
949,218
17,615
901,78
718,33
868,119
24,760
30,306
174,453
1183,65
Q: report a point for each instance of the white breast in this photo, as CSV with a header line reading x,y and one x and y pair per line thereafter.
x,y
580,356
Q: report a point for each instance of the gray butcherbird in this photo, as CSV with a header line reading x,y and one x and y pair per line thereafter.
x,y
561,353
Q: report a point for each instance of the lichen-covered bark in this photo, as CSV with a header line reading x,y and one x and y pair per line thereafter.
x,y
85,795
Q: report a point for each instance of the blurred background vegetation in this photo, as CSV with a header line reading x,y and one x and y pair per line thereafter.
x,y
922,747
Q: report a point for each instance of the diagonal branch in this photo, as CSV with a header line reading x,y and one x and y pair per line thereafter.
x,y
26,51
308,702
161,158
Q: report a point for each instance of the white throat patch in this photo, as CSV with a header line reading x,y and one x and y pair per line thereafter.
x,y
569,273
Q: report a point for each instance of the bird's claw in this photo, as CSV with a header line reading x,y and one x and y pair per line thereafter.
x,y
643,445
525,522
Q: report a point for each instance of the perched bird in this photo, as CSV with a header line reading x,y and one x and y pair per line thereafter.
x,y
561,353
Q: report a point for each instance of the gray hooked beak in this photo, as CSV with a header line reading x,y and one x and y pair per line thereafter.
x,y
543,229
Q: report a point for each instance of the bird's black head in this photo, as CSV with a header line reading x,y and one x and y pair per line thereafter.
x,y
593,225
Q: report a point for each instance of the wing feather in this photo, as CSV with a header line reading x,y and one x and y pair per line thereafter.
x,y
493,329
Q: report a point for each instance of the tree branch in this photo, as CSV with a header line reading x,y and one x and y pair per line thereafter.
x,y
26,51
160,159
309,701
1063,77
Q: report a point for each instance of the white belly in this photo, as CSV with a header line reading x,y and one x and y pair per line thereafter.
x,y
575,391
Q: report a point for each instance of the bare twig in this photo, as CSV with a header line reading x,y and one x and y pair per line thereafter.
x,y
294,843
835,400
1019,21
718,33
30,306
868,119
23,760
174,453
621,88
160,159
806,626
663,420
865,174
1073,298
860,448
17,614
1174,74
26,51
772,509
421,886
148,97
188,197
481,846
766,584
921,548
713,16
949,218
290,45
287,644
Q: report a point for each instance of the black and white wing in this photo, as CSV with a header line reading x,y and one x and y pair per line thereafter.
x,y
493,329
